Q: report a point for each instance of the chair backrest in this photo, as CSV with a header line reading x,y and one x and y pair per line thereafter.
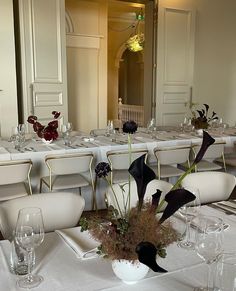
x,y
215,151
213,186
69,163
69,207
172,155
14,171
119,160
151,189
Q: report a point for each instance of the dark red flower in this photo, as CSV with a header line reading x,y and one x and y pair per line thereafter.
x,y
56,114
31,119
53,124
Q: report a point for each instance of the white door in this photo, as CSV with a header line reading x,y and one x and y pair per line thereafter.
x,y
8,94
43,54
175,55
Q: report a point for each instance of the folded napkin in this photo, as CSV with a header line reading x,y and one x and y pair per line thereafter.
x,y
82,243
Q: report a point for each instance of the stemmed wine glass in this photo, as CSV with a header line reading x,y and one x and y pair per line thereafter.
x,y
29,234
189,211
66,129
209,243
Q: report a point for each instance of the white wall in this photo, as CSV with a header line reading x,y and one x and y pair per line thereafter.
x,y
215,57
8,94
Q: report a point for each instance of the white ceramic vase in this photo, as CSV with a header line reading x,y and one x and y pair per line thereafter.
x,y
130,272
46,141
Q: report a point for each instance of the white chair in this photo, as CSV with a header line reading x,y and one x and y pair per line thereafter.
x,y
151,189
15,179
213,186
69,171
60,210
214,152
167,160
119,163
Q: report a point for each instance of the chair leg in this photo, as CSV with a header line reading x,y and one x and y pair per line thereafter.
x,y
40,188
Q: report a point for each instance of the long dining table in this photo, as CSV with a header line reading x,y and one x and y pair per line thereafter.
x,y
36,150
62,270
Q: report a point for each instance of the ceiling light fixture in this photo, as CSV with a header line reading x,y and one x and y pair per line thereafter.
x,y
135,43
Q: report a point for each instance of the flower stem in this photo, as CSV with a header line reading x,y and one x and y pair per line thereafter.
x,y
109,182
177,184
130,159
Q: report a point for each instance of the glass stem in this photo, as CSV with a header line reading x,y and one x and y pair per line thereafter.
x,y
187,230
29,259
208,277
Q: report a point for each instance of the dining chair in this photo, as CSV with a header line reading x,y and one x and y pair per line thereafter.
x,y
213,185
151,189
213,153
167,160
69,171
15,179
60,210
120,163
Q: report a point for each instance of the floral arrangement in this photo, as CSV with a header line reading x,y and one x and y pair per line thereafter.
x,y
202,121
48,132
138,233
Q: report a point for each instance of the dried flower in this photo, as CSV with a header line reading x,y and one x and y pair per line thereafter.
x,y
130,127
48,132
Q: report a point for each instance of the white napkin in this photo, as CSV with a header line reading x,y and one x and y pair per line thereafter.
x,y
82,243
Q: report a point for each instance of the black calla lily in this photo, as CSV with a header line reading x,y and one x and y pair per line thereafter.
x,y
156,199
207,141
176,199
147,255
142,174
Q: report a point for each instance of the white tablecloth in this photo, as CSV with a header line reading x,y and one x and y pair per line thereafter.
x,y
36,151
63,271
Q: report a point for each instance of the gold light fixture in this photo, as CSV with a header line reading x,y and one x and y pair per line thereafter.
x,y
135,43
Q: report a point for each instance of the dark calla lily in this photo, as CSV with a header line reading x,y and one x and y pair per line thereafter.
x,y
147,255
53,124
176,199
207,141
155,199
142,174
130,127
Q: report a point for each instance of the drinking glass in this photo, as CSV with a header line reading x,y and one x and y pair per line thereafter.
x,y
225,276
209,243
189,212
29,234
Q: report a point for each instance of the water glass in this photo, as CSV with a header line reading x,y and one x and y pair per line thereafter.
x,y
225,276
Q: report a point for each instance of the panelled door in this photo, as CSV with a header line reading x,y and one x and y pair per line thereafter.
x,y
175,61
43,58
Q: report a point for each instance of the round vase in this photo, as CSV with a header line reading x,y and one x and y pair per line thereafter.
x,y
130,272
199,132
46,141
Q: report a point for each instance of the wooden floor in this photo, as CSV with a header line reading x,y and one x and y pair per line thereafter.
x,y
102,212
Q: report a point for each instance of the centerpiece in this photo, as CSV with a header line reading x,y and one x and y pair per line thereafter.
x,y
201,120
46,133
136,236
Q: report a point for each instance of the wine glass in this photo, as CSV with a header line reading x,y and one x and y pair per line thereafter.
x,y
29,234
209,243
190,211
